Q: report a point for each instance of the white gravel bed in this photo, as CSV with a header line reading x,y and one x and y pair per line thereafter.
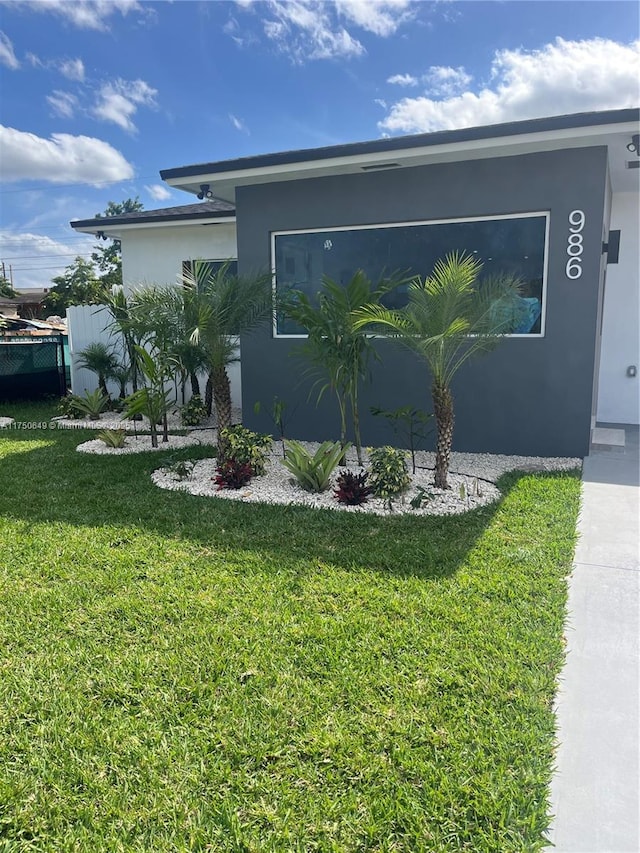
x,y
5,422
469,481
115,420
142,443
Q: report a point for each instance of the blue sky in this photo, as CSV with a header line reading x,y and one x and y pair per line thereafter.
x,y
97,97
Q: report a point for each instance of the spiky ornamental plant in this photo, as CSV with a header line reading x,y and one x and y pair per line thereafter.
x,y
449,318
337,350
220,307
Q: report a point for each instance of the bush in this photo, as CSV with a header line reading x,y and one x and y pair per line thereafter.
x,y
313,473
352,489
388,471
113,437
92,404
232,474
244,446
182,469
68,407
194,411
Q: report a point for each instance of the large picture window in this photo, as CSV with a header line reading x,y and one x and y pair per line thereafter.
x,y
512,245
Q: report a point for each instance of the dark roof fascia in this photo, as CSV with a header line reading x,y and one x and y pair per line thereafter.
x,y
106,221
398,143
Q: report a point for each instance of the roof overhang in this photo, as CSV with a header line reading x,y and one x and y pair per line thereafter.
x,y
117,231
612,129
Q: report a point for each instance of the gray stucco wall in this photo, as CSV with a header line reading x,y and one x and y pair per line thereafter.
x,y
529,396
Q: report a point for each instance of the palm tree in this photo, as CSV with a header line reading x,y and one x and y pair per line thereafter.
x,y
448,320
218,308
338,352
98,358
122,323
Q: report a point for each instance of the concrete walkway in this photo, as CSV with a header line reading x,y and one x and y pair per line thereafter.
x,y
595,791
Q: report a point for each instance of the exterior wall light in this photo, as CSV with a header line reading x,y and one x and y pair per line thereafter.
x,y
634,145
205,192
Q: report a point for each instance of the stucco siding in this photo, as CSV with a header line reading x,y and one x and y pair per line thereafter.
x,y
155,255
529,396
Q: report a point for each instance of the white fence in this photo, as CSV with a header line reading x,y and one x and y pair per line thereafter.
x,y
89,323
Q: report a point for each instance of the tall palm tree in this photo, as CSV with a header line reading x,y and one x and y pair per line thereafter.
x,y
449,318
218,308
338,352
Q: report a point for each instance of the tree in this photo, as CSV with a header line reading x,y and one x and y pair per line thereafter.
x,y
6,288
107,258
219,307
338,351
78,285
449,319
102,361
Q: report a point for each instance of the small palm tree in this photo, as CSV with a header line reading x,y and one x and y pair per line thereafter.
x,y
98,358
338,352
219,307
448,320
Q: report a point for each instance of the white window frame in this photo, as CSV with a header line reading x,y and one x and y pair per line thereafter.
x,y
408,223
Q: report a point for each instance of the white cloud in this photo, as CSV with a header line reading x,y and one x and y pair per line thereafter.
x,y
7,54
72,69
63,104
315,29
563,77
35,258
63,159
158,192
85,14
238,123
381,17
442,80
307,30
118,102
403,80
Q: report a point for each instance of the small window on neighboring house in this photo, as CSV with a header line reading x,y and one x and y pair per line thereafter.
x,y
206,267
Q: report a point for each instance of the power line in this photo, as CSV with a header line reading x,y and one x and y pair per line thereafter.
x,y
39,257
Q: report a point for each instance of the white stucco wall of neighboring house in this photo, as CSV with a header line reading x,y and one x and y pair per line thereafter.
x,y
618,393
155,255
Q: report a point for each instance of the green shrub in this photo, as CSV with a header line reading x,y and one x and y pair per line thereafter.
x,y
313,473
182,469
68,406
194,411
113,437
93,404
389,475
245,446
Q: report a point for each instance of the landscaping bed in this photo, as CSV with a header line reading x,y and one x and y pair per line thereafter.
x,y
472,486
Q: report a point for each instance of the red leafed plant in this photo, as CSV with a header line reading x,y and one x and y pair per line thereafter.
x,y
232,474
352,489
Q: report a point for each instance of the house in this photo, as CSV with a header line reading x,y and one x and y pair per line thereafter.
x,y
554,200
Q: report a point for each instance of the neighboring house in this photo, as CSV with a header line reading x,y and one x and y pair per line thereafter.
x,y
27,303
553,200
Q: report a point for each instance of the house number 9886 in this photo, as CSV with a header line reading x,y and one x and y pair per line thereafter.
x,y
575,244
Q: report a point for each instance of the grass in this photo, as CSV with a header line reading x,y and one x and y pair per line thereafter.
x,y
184,674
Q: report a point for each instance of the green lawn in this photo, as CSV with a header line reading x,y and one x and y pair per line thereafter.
x,y
183,674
